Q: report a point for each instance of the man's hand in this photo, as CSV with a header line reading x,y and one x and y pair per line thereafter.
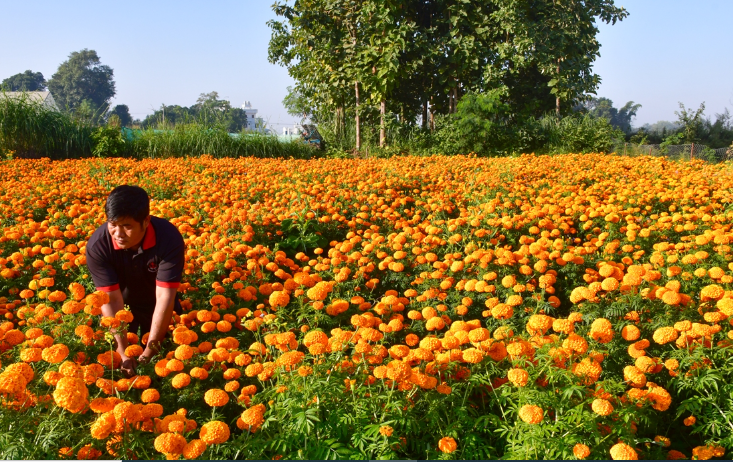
x,y
128,366
151,350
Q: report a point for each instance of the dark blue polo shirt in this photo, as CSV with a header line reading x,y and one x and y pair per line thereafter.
x,y
158,261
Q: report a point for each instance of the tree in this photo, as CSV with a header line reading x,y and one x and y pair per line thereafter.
x,y
691,122
123,113
411,56
83,78
619,118
26,81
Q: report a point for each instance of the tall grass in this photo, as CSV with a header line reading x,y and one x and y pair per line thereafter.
x,y
196,139
32,130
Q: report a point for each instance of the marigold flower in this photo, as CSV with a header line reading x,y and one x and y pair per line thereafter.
x,y
581,451
170,443
216,397
214,432
665,335
518,377
531,414
447,445
71,394
181,380
194,449
621,451
602,407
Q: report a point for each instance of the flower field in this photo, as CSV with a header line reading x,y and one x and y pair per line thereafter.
x,y
574,306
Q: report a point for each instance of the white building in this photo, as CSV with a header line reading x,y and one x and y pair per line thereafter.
x,y
294,130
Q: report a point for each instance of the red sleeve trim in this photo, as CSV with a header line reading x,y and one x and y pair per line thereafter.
x,y
167,285
109,288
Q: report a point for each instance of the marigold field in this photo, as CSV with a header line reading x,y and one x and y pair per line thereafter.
x,y
574,306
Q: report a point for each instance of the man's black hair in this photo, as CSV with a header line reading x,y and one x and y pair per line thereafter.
x,y
127,201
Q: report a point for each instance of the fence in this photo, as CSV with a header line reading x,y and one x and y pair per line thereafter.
x,y
679,151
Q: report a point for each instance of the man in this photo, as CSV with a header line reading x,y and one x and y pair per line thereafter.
x,y
138,260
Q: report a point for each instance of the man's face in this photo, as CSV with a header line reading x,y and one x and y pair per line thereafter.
x,y
126,232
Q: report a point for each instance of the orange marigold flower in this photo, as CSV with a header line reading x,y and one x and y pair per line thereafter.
x,y
665,335
621,451
71,394
181,380
689,421
216,397
169,443
447,445
518,377
531,414
601,330
386,430
55,353
194,449
602,407
214,432
581,451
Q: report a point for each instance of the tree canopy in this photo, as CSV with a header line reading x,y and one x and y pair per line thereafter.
x,y
83,78
123,112
25,81
619,118
419,54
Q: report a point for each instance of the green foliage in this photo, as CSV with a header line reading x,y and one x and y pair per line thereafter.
x,y
26,81
577,134
108,142
83,78
123,113
619,118
412,55
691,122
33,130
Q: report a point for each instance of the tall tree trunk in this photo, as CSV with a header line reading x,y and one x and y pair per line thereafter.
x,y
425,114
557,99
358,129
382,108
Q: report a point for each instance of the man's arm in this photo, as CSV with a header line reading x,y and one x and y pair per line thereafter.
x,y
110,309
164,301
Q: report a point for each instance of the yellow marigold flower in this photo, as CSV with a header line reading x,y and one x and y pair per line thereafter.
x,y
169,443
621,451
602,407
581,451
531,414
214,432
447,445
216,397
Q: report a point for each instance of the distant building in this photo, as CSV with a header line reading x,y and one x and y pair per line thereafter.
x,y
294,130
44,97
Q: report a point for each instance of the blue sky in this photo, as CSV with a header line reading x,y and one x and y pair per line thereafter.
x,y
170,52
